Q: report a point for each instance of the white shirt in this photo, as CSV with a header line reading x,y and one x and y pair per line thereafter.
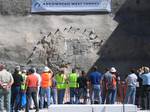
x,y
131,79
5,76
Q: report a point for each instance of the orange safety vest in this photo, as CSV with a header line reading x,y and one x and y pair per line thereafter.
x,y
46,80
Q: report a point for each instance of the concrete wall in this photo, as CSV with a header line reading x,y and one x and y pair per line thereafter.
x,y
93,108
116,39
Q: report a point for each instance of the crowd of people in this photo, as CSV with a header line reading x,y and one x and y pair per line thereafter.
x,y
24,88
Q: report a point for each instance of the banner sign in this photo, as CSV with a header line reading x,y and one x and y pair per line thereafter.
x,y
70,5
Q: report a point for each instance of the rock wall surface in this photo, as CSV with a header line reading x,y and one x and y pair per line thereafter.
x,y
119,39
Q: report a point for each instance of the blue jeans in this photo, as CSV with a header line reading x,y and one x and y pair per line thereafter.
x,y
5,100
130,95
15,98
111,96
104,93
96,94
61,93
54,94
31,93
45,92
73,96
23,99
82,93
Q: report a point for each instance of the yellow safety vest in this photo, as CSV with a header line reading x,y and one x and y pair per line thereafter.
x,y
73,80
61,82
23,84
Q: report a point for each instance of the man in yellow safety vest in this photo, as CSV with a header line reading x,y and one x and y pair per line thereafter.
x,y
61,86
73,87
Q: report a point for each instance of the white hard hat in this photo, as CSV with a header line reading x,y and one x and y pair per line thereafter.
x,y
113,69
46,69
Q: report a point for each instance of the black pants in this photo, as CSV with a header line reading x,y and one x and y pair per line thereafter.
x,y
15,98
146,97
32,92
138,96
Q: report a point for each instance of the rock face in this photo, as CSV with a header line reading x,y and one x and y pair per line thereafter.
x,y
119,39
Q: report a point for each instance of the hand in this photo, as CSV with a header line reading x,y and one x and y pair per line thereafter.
x,y
1,84
6,87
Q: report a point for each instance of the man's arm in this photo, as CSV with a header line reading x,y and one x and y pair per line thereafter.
x,y
27,82
100,83
51,72
11,82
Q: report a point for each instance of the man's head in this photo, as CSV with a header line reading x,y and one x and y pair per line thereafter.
x,y
46,69
74,70
132,70
146,70
62,71
17,68
2,66
107,69
34,69
24,71
30,71
95,68
113,70
83,73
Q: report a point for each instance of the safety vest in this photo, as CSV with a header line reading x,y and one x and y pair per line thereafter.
x,y
23,84
73,80
45,80
61,82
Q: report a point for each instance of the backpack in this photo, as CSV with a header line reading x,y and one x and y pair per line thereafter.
x,y
112,84
114,81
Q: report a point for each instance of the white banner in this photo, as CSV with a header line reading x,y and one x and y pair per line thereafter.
x,y
70,5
